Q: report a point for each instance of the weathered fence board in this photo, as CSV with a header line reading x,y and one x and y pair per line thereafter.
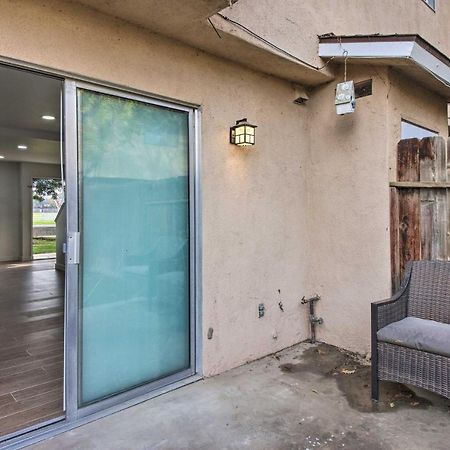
x,y
433,168
433,160
408,167
409,227
427,213
395,227
420,199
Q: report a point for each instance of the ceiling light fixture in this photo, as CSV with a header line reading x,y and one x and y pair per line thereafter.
x,y
48,117
2,157
22,147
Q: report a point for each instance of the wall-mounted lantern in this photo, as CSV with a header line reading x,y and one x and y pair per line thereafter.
x,y
243,133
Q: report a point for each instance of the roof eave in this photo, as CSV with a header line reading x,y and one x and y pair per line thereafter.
x,y
393,50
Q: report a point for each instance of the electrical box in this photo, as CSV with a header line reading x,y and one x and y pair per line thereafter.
x,y
345,98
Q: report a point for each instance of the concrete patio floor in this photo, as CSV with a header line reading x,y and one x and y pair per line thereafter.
x,y
305,397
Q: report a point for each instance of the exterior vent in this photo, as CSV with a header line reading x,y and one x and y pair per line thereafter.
x,y
363,88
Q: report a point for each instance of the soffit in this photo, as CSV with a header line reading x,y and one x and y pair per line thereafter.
x,y
196,23
168,17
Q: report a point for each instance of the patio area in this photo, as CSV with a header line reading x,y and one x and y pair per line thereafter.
x,y
305,397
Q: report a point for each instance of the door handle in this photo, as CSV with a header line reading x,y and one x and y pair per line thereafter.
x,y
73,247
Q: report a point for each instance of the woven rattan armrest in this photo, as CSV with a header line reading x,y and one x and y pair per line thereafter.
x,y
385,312
392,309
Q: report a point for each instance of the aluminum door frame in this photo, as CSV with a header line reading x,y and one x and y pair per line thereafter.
x,y
73,176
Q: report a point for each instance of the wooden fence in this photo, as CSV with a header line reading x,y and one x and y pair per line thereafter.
x,y
420,204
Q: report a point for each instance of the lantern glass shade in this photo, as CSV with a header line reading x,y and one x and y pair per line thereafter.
x,y
243,133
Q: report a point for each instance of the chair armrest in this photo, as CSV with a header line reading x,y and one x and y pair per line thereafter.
x,y
393,309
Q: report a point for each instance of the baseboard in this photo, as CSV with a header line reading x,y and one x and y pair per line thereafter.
x,y
14,259
60,267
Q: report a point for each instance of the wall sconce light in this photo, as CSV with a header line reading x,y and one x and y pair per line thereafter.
x,y
243,133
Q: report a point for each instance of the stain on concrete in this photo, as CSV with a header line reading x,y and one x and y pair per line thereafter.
x,y
346,439
352,375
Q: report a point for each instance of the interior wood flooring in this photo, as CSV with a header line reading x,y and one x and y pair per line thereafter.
x,y
31,344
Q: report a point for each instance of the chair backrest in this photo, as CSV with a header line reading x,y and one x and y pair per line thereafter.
x,y
429,290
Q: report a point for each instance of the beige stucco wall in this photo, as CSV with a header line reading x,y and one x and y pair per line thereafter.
x,y
348,185
305,211
411,102
254,201
349,211
294,25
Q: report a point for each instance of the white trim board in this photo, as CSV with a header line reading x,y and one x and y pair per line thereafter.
x,y
394,50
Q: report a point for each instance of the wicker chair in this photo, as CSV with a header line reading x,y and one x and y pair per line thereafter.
x,y
422,357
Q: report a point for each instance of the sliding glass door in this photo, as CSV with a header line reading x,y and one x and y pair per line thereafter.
x,y
135,308
126,323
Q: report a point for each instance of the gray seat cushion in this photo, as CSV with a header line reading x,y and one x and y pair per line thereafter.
x,y
421,334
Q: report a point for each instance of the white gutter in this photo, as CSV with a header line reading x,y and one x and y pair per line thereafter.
x,y
410,50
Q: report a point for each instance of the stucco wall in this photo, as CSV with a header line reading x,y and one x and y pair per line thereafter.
x,y
349,210
348,185
305,211
254,201
418,105
294,25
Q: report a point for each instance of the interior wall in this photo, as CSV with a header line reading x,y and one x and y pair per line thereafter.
x,y
10,212
16,207
61,227
254,200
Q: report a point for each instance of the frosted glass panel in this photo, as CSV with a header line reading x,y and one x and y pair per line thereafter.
x,y
135,244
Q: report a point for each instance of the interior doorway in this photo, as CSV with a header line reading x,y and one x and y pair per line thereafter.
x,y
31,289
48,217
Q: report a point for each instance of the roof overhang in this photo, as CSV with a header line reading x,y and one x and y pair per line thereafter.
x,y
168,17
409,53
198,24
240,44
